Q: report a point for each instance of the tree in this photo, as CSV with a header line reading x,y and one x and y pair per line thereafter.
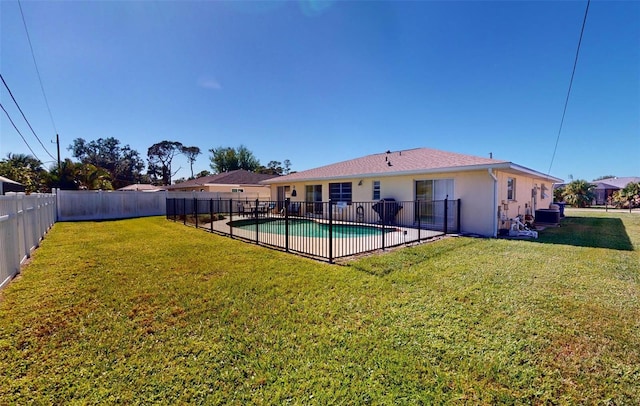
x,y
25,169
79,176
558,194
229,159
276,168
287,167
160,156
123,164
579,193
203,173
191,153
223,159
628,197
91,177
66,176
272,168
247,160
603,177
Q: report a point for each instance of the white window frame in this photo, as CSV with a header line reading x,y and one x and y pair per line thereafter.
x,y
511,189
342,195
376,190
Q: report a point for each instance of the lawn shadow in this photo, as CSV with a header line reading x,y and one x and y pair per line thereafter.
x,y
596,232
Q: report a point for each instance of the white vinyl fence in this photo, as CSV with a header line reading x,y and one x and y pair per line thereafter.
x,y
92,205
78,205
24,220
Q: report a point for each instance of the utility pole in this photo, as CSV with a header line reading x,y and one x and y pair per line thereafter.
x,y
58,144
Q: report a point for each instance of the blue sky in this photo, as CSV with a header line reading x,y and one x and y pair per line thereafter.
x,y
321,82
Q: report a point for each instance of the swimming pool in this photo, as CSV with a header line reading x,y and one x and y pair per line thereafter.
x,y
310,228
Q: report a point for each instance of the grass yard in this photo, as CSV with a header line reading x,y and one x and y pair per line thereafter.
x,y
151,311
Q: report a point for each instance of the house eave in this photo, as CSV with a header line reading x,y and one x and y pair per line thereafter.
x,y
503,166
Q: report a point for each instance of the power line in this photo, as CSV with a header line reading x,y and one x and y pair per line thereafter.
x,y
566,102
21,136
25,118
33,55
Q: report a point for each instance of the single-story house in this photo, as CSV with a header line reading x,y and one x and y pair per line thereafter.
x,y
490,190
606,187
239,184
7,185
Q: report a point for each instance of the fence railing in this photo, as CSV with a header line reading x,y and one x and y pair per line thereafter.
x,y
24,220
325,230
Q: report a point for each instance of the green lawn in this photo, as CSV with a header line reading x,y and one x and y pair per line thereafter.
x,y
151,311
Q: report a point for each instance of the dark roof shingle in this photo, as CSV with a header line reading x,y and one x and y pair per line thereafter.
x,y
388,163
237,177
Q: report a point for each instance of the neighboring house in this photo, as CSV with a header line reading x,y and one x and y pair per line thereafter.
x,y
8,185
489,189
605,187
141,187
239,184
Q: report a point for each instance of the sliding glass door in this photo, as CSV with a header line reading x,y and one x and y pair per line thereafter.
x,y
313,199
430,194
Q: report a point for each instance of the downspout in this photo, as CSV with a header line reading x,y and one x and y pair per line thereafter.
x,y
495,202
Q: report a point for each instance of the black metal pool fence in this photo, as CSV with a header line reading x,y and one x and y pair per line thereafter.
x,y
323,230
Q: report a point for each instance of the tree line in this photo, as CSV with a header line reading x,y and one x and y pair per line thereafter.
x,y
107,164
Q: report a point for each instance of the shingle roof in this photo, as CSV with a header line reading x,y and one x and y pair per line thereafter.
x,y
140,187
238,177
389,163
619,183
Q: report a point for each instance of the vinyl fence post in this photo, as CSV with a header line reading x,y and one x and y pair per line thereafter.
x,y
330,231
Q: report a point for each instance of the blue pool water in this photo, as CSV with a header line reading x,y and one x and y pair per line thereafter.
x,y
309,228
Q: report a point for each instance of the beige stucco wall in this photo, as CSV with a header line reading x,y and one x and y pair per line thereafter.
x,y
480,196
475,189
524,194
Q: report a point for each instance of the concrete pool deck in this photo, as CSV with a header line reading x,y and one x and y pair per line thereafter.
x,y
319,246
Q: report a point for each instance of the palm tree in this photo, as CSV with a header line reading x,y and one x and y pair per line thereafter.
x,y
65,177
93,178
24,169
629,196
579,193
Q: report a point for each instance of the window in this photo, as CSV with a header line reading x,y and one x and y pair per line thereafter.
x,y
237,190
340,192
511,189
376,190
